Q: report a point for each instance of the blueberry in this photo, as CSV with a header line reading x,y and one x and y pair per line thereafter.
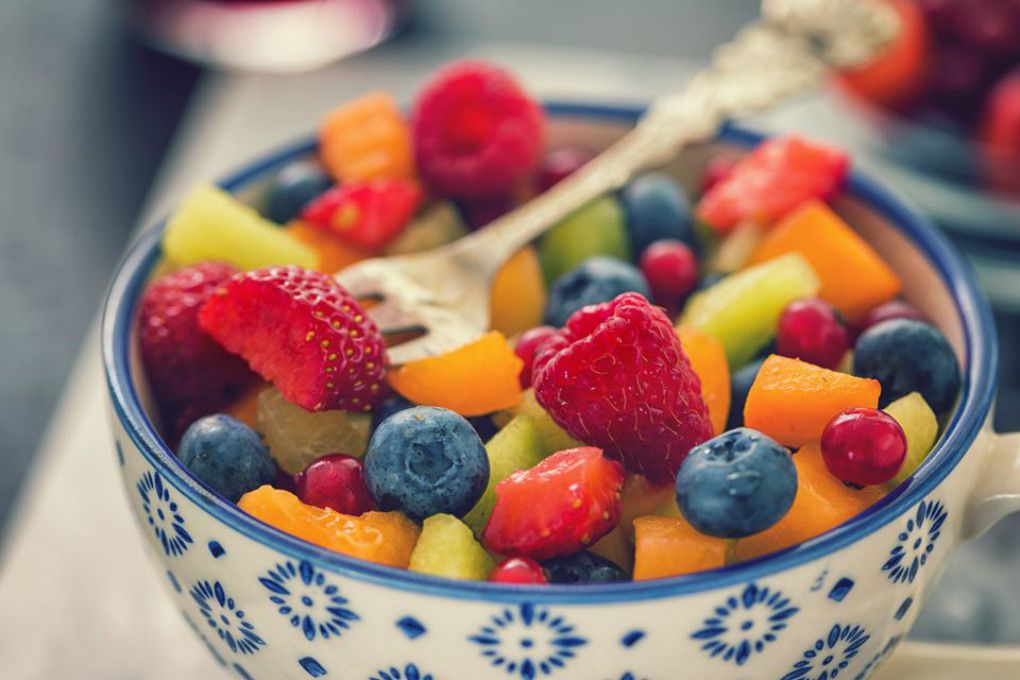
x,y
740,385
293,187
424,461
597,279
582,568
909,356
227,455
736,484
656,209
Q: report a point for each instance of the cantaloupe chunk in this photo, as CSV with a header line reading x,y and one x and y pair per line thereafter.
x,y
517,297
332,253
638,498
670,546
792,401
854,277
708,359
822,503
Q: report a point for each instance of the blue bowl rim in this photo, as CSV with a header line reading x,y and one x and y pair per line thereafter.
x,y
977,396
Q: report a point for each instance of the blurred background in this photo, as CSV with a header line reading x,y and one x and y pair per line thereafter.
x,y
107,99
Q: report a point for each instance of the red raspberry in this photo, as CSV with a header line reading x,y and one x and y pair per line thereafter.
x,y
335,481
190,375
565,503
526,347
476,132
518,570
366,214
303,332
616,377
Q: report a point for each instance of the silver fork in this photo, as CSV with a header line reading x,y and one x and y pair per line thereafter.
x,y
443,294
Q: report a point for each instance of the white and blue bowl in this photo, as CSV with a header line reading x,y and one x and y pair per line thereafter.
x,y
269,606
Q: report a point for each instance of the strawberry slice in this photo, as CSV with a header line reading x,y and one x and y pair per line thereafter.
x,y
303,332
563,504
774,179
365,214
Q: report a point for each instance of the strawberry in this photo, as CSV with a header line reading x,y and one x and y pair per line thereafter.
x,y
301,330
772,180
616,376
365,214
191,376
563,504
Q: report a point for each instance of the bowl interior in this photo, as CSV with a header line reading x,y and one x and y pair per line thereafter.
x,y
935,280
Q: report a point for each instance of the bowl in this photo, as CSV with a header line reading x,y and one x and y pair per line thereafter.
x,y
268,605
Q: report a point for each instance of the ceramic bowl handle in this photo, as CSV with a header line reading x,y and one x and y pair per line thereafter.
x,y
997,491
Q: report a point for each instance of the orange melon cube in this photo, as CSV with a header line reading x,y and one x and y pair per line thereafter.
x,y
517,298
792,401
638,497
383,537
332,253
365,139
708,359
854,277
246,408
822,503
478,378
670,546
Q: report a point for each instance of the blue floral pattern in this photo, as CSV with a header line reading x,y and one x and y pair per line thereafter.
x,y
915,542
410,672
224,616
163,515
310,602
526,641
876,660
830,655
744,624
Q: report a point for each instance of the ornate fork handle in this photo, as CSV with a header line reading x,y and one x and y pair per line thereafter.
x,y
768,60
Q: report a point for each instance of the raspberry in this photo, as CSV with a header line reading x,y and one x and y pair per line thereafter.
x,y
617,377
526,348
367,215
476,132
563,504
189,373
300,330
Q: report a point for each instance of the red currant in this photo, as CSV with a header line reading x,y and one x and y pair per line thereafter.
x,y
335,481
810,330
671,269
894,309
518,570
559,163
527,345
864,446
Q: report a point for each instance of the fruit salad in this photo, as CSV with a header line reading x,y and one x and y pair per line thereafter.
x,y
672,381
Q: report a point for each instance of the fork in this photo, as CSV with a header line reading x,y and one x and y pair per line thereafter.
x,y
442,295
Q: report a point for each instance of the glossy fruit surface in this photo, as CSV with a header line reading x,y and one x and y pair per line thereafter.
x,y
563,504
582,568
672,272
527,345
521,570
810,330
293,187
864,446
446,547
226,455
426,461
595,229
737,484
921,428
670,546
334,481
597,279
517,299
478,378
909,356
708,359
590,375
656,210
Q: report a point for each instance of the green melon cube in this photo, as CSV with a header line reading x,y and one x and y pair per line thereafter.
x,y
921,427
742,311
213,225
446,547
551,437
598,228
516,447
